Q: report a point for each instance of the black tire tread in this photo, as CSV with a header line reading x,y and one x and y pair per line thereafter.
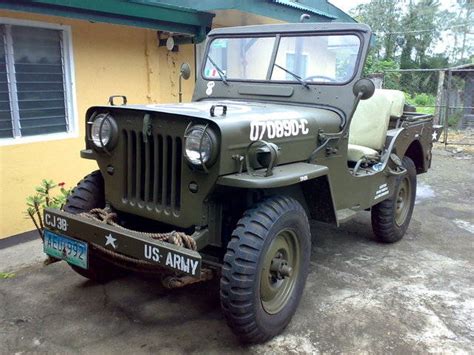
x,y
89,194
382,214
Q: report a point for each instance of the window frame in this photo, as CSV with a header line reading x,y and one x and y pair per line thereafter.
x,y
278,36
70,103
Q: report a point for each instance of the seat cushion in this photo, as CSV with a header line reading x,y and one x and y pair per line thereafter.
x,y
357,152
369,125
370,122
397,98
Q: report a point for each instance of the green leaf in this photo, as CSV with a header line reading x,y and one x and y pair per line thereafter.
x,y
38,199
41,189
48,184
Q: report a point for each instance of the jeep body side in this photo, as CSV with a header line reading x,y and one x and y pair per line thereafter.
x,y
277,131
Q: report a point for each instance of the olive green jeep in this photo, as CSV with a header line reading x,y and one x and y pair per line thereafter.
x,y
281,128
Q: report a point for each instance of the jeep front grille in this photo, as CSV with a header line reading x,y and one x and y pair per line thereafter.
x,y
152,169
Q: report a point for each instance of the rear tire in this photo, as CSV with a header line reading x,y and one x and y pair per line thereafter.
x,y
391,217
259,293
89,194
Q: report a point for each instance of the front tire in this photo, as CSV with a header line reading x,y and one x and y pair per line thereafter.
x,y
265,268
391,217
89,194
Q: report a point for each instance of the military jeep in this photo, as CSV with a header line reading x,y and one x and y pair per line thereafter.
x,y
281,128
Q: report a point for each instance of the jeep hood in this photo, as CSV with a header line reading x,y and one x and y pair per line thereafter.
x,y
293,128
235,110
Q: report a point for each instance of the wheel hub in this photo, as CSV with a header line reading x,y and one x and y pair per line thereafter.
x,y
402,202
279,271
279,267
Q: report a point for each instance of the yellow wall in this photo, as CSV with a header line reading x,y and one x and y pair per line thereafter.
x,y
108,59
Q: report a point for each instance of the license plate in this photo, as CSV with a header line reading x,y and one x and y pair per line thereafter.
x,y
71,250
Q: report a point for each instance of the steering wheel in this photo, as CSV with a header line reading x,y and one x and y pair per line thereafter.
x,y
312,77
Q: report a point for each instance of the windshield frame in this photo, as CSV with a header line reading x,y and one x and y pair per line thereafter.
x,y
274,54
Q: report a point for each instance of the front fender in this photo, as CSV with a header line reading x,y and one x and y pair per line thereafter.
x,y
283,175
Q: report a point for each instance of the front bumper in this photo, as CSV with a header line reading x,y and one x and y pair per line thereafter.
x,y
124,242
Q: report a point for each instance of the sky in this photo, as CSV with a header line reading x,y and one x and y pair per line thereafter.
x,y
441,46
347,5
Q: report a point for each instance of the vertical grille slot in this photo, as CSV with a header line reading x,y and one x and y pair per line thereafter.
x,y
152,171
178,160
164,176
158,171
169,170
125,141
149,159
132,162
139,162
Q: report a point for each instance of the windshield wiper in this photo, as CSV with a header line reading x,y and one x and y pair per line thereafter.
x,y
297,77
219,70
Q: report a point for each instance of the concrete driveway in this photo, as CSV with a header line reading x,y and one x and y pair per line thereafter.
x,y
411,297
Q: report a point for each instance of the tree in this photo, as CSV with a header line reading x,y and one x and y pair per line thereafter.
x,y
421,31
408,32
461,22
413,28
383,17
390,68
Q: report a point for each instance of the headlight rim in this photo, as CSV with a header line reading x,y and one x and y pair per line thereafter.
x,y
113,139
214,146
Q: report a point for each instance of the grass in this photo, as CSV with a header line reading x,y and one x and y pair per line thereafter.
x,y
424,103
6,275
425,110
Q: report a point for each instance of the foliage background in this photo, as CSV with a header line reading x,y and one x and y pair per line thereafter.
x,y
413,35
418,34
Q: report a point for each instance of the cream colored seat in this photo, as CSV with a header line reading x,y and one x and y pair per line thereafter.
x,y
369,125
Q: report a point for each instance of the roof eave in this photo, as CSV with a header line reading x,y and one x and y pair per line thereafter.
x,y
136,13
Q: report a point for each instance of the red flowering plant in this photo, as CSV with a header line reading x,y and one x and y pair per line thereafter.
x,y
44,198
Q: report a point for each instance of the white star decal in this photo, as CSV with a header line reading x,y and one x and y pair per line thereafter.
x,y
109,240
434,136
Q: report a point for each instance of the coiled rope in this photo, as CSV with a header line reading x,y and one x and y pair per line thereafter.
x,y
108,217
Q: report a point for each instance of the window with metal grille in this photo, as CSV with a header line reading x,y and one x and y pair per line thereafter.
x,y
33,81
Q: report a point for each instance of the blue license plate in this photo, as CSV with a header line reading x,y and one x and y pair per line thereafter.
x,y
71,250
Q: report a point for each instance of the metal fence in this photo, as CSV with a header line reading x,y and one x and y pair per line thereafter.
x,y
447,93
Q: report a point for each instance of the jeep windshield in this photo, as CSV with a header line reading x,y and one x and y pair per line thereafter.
x,y
306,59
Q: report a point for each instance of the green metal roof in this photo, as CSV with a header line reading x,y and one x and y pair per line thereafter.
x,y
138,13
283,10
188,17
302,7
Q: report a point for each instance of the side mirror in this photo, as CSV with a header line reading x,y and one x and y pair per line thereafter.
x,y
365,87
185,71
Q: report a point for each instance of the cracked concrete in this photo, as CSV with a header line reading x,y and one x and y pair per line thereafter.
x,y
415,296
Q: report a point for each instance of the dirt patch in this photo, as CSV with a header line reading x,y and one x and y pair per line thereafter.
x,y
459,142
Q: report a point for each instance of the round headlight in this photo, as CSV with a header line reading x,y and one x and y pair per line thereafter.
x,y
200,146
102,130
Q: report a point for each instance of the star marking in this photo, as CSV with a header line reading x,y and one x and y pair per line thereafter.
x,y
109,240
434,136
